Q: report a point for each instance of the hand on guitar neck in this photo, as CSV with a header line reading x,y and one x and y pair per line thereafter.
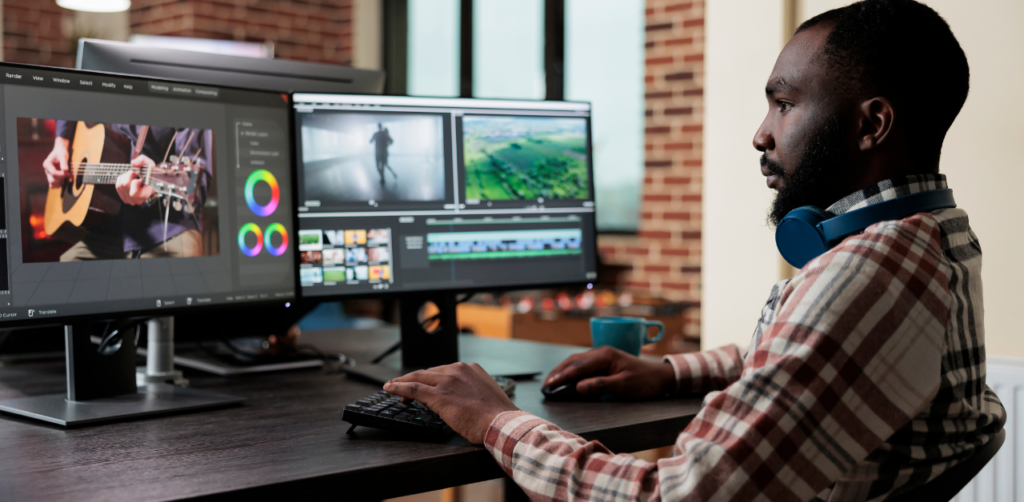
x,y
130,186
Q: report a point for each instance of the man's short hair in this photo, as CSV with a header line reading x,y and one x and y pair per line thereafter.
x,y
904,51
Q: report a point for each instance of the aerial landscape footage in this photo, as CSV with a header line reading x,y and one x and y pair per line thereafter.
x,y
521,158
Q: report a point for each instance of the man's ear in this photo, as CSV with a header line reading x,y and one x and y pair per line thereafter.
x,y
876,120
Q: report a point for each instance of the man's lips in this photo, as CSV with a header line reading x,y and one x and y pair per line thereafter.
x,y
772,179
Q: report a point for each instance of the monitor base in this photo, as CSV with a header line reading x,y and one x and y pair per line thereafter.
x,y
149,400
426,344
197,359
102,383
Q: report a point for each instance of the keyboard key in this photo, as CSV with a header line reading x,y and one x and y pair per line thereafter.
x,y
384,411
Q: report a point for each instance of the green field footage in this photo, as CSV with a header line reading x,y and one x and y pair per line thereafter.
x,y
522,158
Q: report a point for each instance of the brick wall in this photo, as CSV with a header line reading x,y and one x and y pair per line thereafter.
x,y
37,31
307,30
665,255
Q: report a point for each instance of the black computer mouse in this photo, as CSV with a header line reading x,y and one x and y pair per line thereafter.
x,y
566,391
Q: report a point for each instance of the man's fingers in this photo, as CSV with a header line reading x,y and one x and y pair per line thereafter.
x,y
410,390
121,185
602,385
428,377
138,192
134,187
556,373
591,362
143,161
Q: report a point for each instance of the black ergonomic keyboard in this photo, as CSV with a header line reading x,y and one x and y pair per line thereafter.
x,y
384,411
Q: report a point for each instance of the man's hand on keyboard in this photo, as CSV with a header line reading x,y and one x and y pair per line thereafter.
x,y
464,395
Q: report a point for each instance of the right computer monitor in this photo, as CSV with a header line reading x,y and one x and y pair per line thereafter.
x,y
403,194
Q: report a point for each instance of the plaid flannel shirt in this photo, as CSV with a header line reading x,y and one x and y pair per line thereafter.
x,y
865,379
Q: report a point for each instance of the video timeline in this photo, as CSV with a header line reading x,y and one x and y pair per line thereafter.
x,y
503,244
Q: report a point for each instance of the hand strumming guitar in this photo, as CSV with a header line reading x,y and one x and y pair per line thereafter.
x,y
56,163
129,185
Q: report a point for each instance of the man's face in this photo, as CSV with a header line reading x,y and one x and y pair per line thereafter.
x,y
808,147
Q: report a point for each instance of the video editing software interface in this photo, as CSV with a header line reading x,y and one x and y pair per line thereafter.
x,y
416,194
126,194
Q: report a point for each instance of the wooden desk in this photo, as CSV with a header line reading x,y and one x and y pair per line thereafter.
x,y
288,440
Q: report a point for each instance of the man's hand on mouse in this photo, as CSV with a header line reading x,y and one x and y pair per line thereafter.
x,y
620,374
464,395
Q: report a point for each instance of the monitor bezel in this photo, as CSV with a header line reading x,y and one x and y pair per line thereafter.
x,y
373,79
397,295
233,308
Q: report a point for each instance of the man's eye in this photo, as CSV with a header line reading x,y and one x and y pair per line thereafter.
x,y
783,106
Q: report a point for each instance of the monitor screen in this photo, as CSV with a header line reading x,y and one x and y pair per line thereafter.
x,y
127,195
403,194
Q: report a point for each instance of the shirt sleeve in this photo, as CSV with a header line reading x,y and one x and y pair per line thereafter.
x,y
706,371
853,354
66,129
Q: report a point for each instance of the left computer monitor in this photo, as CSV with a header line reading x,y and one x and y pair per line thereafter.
x,y
129,196
139,197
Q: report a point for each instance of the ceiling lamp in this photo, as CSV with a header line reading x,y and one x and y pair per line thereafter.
x,y
96,5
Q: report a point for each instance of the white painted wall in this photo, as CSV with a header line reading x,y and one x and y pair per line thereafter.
x,y
981,158
367,34
740,263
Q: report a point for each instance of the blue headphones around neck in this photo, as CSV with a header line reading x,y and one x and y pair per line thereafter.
x,y
808,232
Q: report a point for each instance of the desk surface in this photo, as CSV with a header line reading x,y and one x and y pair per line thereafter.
x,y
288,439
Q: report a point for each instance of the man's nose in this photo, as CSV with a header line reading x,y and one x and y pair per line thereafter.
x,y
763,138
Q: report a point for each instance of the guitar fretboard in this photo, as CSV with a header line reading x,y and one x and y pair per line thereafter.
x,y
106,173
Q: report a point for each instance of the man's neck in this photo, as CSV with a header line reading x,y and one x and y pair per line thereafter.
x,y
886,167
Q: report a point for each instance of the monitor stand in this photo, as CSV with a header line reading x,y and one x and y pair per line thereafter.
x,y
423,349
217,360
102,385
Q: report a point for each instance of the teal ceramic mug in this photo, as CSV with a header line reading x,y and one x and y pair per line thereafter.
x,y
624,333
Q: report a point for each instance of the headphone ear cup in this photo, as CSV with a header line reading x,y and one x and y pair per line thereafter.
x,y
797,235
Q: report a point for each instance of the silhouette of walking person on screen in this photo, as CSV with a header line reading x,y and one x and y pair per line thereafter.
x,y
383,139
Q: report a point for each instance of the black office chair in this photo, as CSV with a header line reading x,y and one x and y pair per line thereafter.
x,y
949,483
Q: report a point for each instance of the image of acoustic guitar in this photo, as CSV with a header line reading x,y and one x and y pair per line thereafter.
x,y
71,202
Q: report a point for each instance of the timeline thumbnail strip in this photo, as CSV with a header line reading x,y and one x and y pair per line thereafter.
x,y
503,244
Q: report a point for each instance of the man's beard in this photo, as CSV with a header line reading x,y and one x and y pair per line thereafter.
x,y
822,175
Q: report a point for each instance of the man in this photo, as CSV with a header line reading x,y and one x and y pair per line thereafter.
x,y
383,140
143,230
865,375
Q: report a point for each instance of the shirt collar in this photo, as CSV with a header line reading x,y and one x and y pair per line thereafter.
x,y
887,190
